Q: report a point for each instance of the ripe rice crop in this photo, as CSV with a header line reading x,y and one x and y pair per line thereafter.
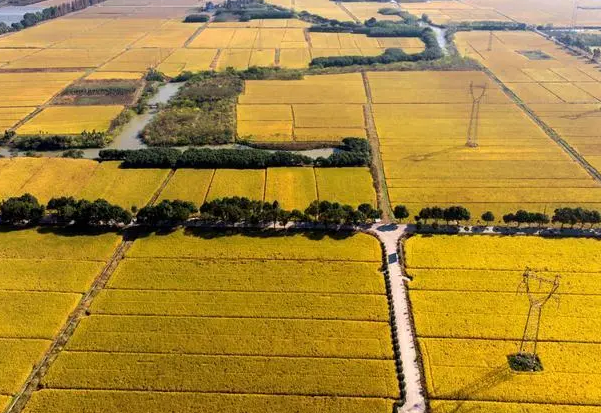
x,y
64,58
137,60
47,275
370,378
193,60
237,182
294,188
423,145
71,120
17,244
182,244
27,314
59,177
71,401
10,116
344,88
18,355
115,75
32,89
212,336
270,321
189,184
124,187
332,185
295,58
248,304
236,58
468,319
327,134
283,276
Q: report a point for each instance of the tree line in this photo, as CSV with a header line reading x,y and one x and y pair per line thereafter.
x,y
458,214
27,210
351,152
31,19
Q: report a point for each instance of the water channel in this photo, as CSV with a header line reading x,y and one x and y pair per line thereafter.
x,y
128,138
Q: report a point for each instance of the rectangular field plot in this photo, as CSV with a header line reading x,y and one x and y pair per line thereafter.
x,y
333,184
287,322
427,163
317,108
562,90
47,178
293,188
469,319
71,120
42,278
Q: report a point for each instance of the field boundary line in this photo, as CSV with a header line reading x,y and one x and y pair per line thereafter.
x,y
376,165
348,12
215,62
195,34
546,128
161,188
68,329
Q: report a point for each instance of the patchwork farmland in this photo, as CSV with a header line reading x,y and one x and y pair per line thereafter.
x,y
469,319
300,206
182,337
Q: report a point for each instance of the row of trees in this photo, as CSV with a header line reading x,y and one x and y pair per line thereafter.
x,y
352,152
432,51
563,216
27,210
245,211
31,19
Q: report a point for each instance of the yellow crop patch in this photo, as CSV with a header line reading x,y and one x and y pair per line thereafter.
x,y
293,188
273,111
249,183
32,89
64,401
64,58
137,60
124,187
114,75
427,163
18,357
469,319
192,60
189,184
71,120
331,185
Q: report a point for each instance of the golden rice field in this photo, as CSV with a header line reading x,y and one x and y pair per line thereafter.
x,y
535,12
316,108
422,120
46,178
71,120
213,313
468,319
449,11
38,290
563,91
293,188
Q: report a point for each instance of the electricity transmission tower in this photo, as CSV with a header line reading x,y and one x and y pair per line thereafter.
x,y
574,14
538,297
472,132
490,36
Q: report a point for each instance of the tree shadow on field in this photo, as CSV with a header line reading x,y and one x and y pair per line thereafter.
x,y
469,392
314,235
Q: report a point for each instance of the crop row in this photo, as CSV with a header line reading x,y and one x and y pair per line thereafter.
x,y
248,275
74,401
233,336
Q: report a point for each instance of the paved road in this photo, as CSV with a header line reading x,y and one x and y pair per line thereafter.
x,y
389,235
